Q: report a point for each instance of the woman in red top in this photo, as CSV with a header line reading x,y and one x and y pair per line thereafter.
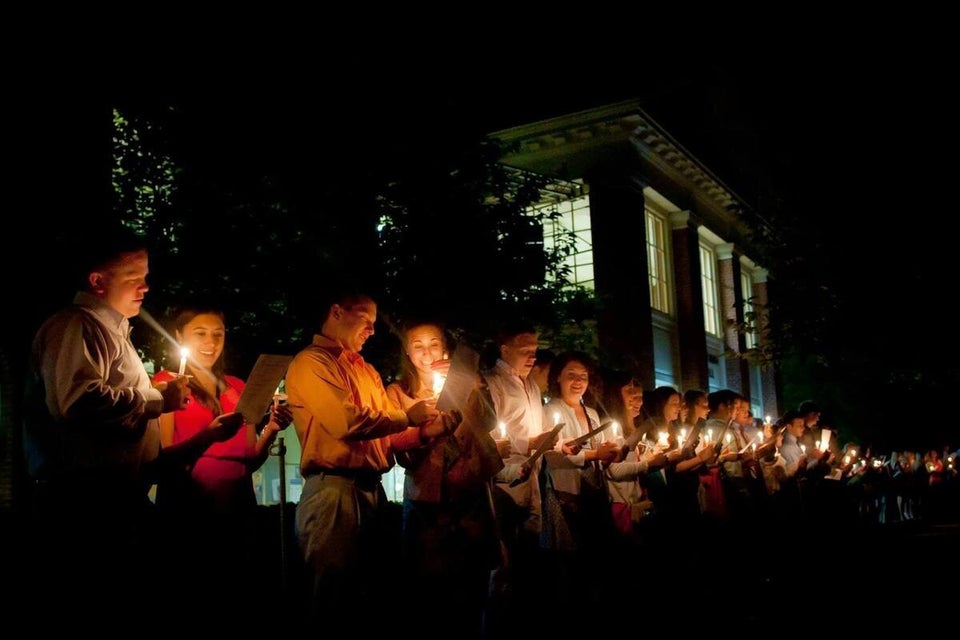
x,y
212,499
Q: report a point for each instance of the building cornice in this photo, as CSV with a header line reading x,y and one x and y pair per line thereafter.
x,y
536,144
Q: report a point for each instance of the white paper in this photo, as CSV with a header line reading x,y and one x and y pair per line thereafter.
x,y
824,439
461,379
261,384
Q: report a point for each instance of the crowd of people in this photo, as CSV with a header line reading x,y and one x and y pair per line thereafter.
x,y
539,501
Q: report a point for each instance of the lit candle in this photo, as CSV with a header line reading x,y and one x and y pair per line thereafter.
x,y
727,438
853,453
438,380
817,444
184,352
709,435
615,429
766,419
556,418
803,448
663,439
681,437
503,430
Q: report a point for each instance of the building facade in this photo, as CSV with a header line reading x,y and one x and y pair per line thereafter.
x,y
661,242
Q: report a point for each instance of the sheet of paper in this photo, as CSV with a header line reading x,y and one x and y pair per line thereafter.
x,y
824,439
261,384
586,437
461,379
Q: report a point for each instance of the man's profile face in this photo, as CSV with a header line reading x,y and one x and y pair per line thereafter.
x,y
123,283
520,352
356,323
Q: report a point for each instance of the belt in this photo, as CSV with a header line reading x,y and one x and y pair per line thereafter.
x,y
357,475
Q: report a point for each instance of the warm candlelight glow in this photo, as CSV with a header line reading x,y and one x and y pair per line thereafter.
x,y
663,439
727,438
817,444
503,431
438,380
853,453
709,435
803,448
556,418
184,352
615,428
766,419
846,459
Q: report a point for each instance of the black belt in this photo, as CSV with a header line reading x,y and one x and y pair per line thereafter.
x,y
358,475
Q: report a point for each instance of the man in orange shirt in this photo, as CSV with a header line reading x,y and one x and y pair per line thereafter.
x,y
344,420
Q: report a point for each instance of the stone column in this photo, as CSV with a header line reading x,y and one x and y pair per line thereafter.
x,y
691,335
624,324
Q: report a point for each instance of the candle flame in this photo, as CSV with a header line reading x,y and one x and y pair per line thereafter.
x,y
503,430
438,380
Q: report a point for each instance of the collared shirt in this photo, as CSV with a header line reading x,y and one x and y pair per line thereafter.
x,y
791,453
518,405
346,417
92,407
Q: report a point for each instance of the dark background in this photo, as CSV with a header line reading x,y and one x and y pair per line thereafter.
x,y
849,152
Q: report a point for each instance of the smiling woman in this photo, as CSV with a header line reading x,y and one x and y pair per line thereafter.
x,y
214,498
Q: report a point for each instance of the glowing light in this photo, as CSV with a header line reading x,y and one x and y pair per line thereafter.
x,y
184,353
438,380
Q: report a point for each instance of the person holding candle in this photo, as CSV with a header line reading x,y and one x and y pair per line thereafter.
x,y
213,498
447,535
517,403
577,520
574,480
92,437
622,402
344,420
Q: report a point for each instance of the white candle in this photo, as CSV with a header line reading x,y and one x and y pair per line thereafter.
x,y
663,439
438,380
503,431
615,428
184,352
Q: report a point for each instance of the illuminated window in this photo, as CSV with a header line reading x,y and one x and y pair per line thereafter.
x,y
657,262
708,282
569,231
746,286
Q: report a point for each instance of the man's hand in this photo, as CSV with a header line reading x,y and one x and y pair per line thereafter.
x,y
174,394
